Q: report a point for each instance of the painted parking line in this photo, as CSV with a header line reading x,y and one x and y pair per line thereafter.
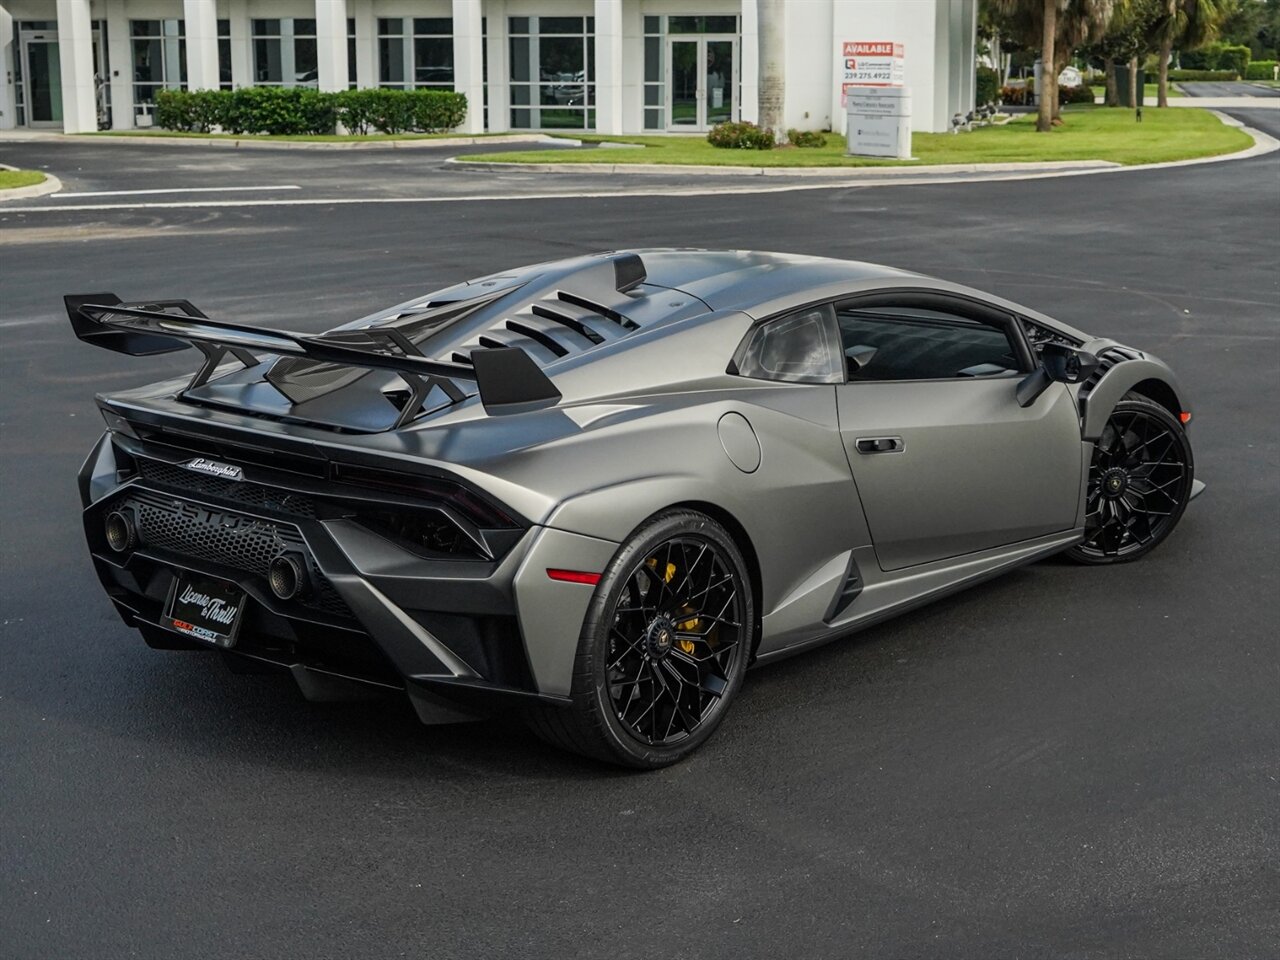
x,y
138,193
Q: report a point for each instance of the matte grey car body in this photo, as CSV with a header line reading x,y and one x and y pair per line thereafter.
x,y
850,500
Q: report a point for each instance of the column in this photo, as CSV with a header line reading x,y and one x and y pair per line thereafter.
x,y
749,56
120,56
331,44
8,51
366,44
241,44
468,60
633,68
202,43
499,67
608,66
75,50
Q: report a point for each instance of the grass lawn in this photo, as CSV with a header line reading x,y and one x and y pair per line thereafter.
x,y
294,137
1153,90
20,178
1089,133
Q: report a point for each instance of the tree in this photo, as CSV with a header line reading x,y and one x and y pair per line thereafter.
x,y
773,52
1058,27
1186,24
1127,41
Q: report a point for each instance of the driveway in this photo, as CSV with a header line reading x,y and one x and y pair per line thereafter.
x,y
1065,761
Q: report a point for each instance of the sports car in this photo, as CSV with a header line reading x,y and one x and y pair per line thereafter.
x,y
594,491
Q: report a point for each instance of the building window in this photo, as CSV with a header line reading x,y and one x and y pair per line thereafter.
x,y
284,52
159,51
415,52
224,55
655,77
553,72
351,53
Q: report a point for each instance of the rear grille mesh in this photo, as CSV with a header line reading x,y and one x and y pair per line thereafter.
x,y
237,491
230,539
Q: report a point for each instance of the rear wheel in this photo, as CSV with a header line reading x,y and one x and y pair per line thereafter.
x,y
663,648
1139,484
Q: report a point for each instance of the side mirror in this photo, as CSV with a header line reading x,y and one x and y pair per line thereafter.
x,y
1059,363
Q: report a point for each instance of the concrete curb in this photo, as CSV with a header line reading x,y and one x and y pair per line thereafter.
x,y
852,174
50,184
253,143
879,176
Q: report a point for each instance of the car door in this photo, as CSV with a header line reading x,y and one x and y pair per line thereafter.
x,y
945,460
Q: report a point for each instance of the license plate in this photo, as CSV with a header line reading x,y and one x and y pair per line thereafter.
x,y
205,608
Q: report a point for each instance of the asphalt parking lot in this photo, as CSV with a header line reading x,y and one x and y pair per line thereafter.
x,y
1064,762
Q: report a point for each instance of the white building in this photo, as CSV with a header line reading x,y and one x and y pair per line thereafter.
x,y
614,66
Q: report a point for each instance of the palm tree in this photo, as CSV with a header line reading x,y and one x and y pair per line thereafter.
x,y
1187,24
1059,27
773,51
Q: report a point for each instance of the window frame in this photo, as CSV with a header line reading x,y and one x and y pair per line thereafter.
x,y
963,307
833,335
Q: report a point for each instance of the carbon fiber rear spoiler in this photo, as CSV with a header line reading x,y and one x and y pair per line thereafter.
x,y
507,379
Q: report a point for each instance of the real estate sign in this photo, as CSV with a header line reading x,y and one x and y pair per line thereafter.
x,y
878,106
871,63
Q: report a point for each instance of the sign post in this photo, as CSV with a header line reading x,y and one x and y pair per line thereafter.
x,y
878,106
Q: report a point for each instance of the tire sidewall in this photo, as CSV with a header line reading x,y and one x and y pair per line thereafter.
x,y
590,682
1171,422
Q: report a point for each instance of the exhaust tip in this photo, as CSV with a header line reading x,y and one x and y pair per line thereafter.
x,y
120,531
287,576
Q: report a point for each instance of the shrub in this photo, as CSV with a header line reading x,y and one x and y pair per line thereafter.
x,y
1014,96
1261,70
1081,94
194,110
1192,76
984,87
1234,58
300,110
1020,96
807,138
740,136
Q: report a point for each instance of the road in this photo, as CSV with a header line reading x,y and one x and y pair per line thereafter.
x,y
1063,762
1228,90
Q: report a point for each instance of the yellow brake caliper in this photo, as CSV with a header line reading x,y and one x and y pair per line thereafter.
x,y
684,626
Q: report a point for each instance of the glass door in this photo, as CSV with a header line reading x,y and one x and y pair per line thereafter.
x,y
684,86
702,82
43,75
720,80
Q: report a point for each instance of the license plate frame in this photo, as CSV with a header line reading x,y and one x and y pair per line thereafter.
x,y
208,609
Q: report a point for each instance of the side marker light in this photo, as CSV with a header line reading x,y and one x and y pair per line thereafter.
x,y
574,576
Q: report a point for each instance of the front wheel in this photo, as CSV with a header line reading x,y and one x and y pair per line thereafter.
x,y
663,648
1139,484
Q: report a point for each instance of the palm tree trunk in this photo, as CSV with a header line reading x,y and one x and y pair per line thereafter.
x,y
1162,92
1112,98
772,90
1135,95
1048,91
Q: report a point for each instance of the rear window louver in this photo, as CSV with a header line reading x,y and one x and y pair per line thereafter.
x,y
559,326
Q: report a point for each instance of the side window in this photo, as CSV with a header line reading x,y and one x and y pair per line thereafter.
x,y
909,343
801,348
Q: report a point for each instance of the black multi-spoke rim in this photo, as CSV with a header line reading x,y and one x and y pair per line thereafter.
x,y
1138,483
674,640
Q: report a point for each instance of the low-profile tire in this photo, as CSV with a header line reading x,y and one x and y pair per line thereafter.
x,y
1139,484
663,649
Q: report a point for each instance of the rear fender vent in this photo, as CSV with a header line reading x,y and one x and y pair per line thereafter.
x,y
849,590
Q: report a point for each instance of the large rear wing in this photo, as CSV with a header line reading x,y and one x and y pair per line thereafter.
x,y
507,379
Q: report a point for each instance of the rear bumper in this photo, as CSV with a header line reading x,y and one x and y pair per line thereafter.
x,y
459,636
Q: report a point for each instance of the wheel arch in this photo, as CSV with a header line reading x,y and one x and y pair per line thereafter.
x,y
1147,376
742,540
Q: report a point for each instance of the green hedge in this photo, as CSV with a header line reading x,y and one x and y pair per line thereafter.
x,y
1261,70
985,86
298,110
1216,56
1198,76
1018,96
740,136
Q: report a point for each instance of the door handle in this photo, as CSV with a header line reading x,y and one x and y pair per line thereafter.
x,y
879,445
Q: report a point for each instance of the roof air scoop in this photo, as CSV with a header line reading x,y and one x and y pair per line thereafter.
x,y
628,272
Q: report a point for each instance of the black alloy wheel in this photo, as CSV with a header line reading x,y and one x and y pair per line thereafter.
x,y
664,646
1139,484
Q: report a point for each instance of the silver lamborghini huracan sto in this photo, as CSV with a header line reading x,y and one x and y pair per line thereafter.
x,y
594,491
